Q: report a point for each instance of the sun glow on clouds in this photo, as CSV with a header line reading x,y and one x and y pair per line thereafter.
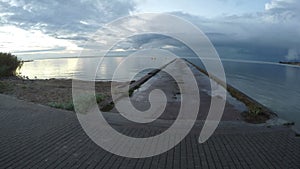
x,y
20,41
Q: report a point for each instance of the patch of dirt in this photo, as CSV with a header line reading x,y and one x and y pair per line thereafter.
x,y
45,91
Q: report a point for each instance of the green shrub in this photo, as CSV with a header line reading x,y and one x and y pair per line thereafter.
x,y
66,106
9,64
254,111
100,98
83,103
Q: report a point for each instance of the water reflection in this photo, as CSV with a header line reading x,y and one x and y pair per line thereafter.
x,y
49,68
68,68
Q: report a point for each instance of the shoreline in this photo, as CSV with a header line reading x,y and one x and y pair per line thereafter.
x,y
257,108
58,93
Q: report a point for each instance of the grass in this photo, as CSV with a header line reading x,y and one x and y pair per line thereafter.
x,y
9,64
255,114
66,106
254,111
70,105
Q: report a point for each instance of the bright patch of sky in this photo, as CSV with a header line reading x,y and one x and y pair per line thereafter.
x,y
20,41
204,8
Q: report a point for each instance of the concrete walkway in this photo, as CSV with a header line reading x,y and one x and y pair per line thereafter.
x,y
36,136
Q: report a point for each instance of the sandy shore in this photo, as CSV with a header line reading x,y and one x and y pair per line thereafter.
x,y
46,92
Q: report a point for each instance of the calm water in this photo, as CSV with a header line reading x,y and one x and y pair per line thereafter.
x,y
275,86
67,68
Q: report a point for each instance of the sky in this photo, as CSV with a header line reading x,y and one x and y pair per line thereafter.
x,y
265,30
204,8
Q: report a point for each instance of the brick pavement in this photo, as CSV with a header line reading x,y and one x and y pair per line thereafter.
x,y
34,136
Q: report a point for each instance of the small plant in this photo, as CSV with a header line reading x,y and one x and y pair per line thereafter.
x,y
9,64
108,107
254,111
66,106
100,98
255,115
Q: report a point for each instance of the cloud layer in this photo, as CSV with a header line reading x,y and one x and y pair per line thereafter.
x,y
72,20
270,35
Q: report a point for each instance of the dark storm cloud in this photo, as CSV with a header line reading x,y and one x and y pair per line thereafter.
x,y
271,35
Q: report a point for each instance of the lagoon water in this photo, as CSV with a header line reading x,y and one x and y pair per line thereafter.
x,y
274,85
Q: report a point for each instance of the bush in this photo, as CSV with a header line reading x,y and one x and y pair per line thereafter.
x,y
255,111
9,64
